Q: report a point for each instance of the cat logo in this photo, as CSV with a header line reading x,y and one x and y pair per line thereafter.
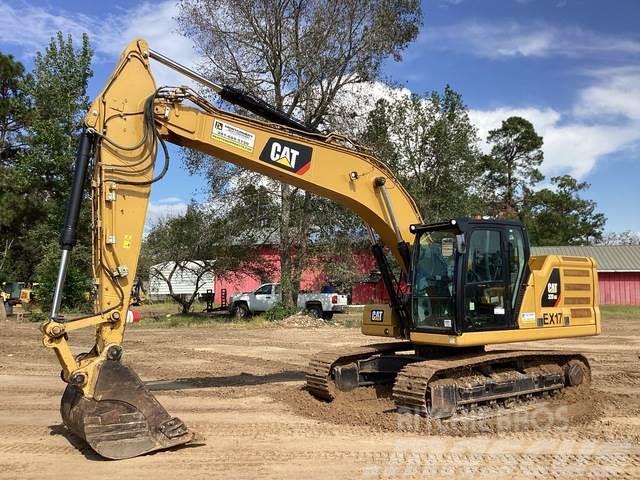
x,y
551,294
287,155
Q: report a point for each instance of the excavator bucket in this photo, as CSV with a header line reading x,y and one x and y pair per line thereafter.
x,y
123,419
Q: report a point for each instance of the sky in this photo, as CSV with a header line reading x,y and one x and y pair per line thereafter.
x,y
570,67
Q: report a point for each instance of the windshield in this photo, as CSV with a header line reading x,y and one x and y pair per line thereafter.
x,y
433,283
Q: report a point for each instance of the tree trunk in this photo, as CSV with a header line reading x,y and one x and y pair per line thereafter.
x,y
285,247
3,312
293,245
302,241
185,305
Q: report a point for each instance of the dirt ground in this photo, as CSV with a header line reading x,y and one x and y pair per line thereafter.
x,y
241,389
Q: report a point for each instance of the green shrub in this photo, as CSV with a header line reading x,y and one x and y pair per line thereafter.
x,y
279,312
38,316
77,283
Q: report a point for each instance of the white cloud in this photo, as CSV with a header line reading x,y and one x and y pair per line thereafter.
x,y
577,147
572,143
169,201
165,208
155,23
569,146
30,27
604,119
536,39
616,93
353,104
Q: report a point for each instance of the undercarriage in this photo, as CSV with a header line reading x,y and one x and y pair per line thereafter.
x,y
439,383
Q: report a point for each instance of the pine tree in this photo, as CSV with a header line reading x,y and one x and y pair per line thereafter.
x,y
512,165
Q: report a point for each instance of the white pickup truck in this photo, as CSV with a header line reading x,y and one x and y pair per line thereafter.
x,y
320,305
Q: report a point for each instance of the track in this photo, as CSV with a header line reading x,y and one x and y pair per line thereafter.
x,y
442,387
419,385
318,374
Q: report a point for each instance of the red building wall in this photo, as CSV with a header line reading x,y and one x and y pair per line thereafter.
x,y
619,288
312,277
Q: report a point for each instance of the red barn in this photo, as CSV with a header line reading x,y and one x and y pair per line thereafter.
x,y
312,278
618,270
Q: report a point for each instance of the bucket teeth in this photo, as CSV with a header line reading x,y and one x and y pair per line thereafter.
x,y
174,428
123,419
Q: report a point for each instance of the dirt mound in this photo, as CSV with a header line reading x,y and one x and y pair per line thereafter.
x,y
302,320
375,409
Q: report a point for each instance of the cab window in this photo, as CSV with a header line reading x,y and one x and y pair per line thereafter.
x,y
485,257
264,290
485,293
434,280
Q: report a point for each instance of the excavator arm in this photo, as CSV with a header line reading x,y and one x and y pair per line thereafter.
x,y
126,128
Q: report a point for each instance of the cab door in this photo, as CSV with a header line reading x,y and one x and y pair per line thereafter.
x,y
487,296
263,298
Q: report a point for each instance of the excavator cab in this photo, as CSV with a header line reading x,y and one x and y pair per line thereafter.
x,y
468,275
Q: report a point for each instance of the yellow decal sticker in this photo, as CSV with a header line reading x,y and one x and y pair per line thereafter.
x,y
232,135
127,241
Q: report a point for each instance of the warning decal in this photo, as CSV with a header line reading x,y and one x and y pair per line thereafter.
x,y
232,135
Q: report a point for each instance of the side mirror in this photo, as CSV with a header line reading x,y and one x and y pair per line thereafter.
x,y
462,246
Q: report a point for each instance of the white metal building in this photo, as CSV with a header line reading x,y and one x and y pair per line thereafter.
x,y
183,280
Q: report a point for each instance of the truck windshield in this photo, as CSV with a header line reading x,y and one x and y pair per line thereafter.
x,y
433,282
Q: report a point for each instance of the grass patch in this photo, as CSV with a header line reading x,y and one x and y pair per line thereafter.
x,y
159,319
168,307
180,320
348,320
620,311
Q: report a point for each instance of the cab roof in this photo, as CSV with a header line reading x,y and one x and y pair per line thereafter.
x,y
462,223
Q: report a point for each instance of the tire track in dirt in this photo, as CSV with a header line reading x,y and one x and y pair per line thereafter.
x,y
520,463
257,431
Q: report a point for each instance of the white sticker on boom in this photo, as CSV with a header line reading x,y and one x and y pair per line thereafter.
x,y
232,135
528,317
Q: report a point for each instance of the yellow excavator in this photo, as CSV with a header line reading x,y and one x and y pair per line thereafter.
x,y
471,281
